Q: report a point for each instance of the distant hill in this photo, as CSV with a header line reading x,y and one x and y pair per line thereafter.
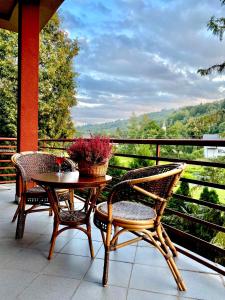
x,y
198,120
184,114
111,127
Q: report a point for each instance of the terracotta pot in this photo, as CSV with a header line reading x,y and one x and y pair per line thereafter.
x,y
89,170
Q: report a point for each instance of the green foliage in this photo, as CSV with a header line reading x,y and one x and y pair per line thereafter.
x,y
57,88
194,121
198,211
176,130
209,196
210,123
143,128
8,83
114,161
212,174
184,189
176,203
217,26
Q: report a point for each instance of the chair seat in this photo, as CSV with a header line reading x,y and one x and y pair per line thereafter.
x,y
39,190
37,195
128,211
72,216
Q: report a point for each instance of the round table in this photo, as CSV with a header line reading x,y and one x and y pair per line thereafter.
x,y
71,180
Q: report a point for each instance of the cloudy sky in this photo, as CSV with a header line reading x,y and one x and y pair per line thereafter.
x,y
142,55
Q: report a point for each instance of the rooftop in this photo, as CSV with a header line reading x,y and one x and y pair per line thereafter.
x,y
135,271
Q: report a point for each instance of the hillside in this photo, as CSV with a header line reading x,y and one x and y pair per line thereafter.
x,y
185,113
111,127
197,119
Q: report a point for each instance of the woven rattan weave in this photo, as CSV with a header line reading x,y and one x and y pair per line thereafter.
x,y
136,204
27,165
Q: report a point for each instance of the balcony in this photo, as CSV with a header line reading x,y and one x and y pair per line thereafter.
x,y
136,271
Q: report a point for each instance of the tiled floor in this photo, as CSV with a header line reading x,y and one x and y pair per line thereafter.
x,y
136,272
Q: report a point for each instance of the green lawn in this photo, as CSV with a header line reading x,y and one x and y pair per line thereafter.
x,y
195,192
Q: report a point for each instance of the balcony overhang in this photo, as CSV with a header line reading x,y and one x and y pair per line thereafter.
x,y
9,12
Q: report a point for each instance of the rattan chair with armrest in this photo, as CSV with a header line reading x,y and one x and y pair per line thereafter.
x,y
137,204
28,164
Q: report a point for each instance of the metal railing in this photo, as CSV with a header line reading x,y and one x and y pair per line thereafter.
x,y
184,240
7,171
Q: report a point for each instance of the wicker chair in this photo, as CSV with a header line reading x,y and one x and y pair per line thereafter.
x,y
28,164
72,219
136,204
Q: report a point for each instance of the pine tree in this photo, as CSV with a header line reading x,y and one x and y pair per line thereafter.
x,y
184,189
209,196
204,196
217,26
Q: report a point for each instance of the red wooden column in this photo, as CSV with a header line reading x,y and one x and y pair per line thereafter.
x,y
28,47
28,63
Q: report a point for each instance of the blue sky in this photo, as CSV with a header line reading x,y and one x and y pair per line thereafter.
x,y
142,55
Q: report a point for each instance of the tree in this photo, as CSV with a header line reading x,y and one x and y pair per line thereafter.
x,y
209,196
208,214
8,83
217,26
57,88
184,189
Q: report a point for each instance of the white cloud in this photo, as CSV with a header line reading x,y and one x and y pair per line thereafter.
x,y
139,56
88,105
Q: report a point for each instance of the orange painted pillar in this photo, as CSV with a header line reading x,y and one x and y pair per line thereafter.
x,y
28,64
28,47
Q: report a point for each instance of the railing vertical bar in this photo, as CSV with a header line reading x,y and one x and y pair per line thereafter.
x,y
157,154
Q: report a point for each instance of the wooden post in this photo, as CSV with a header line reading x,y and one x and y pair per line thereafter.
x,y
157,154
28,52
28,61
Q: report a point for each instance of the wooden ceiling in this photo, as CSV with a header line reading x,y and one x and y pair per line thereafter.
x,y
9,13
6,8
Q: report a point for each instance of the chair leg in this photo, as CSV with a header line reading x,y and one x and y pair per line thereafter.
x,y
53,239
21,219
165,250
176,274
106,259
16,214
116,229
169,242
106,267
90,241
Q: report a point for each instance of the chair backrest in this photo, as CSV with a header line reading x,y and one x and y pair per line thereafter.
x,y
30,163
150,183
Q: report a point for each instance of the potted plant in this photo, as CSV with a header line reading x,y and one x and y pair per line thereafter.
x,y
92,155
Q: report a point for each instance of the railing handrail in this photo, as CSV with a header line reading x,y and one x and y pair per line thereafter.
x,y
8,139
188,142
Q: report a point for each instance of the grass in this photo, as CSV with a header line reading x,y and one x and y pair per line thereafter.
x,y
196,192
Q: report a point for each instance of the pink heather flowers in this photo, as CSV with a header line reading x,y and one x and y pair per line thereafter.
x,y
95,150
